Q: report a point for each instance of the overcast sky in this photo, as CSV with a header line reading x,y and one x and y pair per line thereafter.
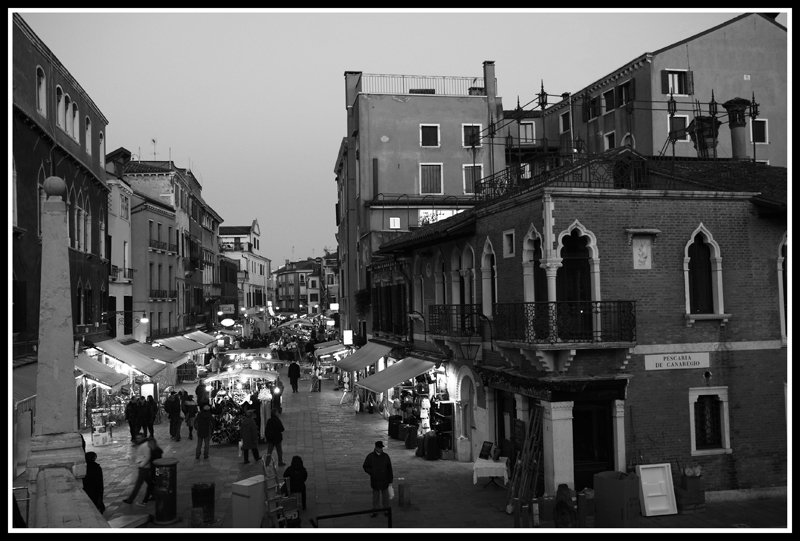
x,y
253,101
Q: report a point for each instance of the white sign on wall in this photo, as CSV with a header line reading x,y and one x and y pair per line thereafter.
x,y
673,361
226,308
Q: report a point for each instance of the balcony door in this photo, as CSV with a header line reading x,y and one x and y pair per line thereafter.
x,y
573,290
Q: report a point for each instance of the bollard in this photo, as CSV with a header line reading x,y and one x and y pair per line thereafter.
x,y
203,497
403,493
165,490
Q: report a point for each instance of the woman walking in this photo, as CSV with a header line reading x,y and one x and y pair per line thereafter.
x,y
274,436
190,411
249,434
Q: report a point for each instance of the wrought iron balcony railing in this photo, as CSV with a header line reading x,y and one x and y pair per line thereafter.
x,y
127,274
158,293
113,274
457,320
173,247
565,321
158,245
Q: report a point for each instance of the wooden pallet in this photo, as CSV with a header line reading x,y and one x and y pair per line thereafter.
x,y
526,466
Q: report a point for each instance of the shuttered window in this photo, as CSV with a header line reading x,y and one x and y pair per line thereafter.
x,y
430,178
677,82
472,174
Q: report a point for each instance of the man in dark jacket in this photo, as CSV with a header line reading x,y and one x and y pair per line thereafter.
x,y
130,416
273,433
379,467
173,408
93,481
142,415
204,423
294,375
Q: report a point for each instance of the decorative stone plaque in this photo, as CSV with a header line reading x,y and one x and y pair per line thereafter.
x,y
642,252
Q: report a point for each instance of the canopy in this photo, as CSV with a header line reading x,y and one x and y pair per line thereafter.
x,y
397,373
161,353
243,373
255,352
203,338
100,372
131,357
181,344
299,321
24,381
330,350
326,344
363,357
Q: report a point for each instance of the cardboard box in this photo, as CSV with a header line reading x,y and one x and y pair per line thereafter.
x,y
691,483
616,499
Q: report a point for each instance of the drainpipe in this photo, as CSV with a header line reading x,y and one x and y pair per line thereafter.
x,y
490,85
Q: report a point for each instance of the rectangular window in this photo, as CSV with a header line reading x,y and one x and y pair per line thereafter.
x,y
123,207
625,93
430,177
677,127
608,101
472,174
758,131
610,141
565,123
526,170
429,135
508,243
471,133
394,223
709,422
314,297
527,133
591,108
677,82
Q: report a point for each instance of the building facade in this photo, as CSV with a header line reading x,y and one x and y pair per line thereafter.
x,y
119,311
413,151
57,130
243,243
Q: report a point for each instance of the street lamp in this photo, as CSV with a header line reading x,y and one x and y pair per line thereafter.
x,y
136,319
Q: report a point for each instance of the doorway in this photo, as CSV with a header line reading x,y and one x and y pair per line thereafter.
x,y
592,440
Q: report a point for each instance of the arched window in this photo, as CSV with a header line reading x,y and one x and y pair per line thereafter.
x,y
574,289
76,122
87,227
88,306
440,280
88,136
702,272
78,305
102,239
59,107
41,91
67,119
488,279
101,150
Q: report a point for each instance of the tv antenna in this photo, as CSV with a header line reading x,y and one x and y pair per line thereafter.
x,y
154,149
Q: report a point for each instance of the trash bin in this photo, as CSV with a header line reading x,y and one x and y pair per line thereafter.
x,y
616,499
203,497
166,491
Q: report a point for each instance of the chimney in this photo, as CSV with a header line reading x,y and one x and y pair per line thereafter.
x,y
736,122
704,131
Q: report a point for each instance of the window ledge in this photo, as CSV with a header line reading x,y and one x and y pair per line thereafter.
x,y
692,318
708,452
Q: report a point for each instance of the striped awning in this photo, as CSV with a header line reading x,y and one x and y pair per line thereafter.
x,y
180,344
399,372
363,357
99,372
203,338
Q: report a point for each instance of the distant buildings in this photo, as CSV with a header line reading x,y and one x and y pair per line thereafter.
x,y
243,244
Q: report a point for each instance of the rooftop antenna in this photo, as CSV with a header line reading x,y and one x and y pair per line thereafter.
x,y
139,156
170,157
154,149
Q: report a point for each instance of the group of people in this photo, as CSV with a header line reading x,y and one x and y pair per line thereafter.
x,y
140,413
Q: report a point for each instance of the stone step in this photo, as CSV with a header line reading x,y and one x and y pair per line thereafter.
x,y
129,521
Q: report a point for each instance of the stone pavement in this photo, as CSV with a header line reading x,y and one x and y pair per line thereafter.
x,y
333,441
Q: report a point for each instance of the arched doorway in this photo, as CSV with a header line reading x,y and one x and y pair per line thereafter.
x,y
467,406
574,289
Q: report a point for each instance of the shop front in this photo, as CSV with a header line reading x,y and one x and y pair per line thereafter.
x,y
359,365
172,360
99,383
186,371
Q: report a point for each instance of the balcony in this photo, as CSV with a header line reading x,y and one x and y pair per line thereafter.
x,y
374,83
158,245
173,294
454,320
212,291
173,247
236,246
113,274
242,276
563,322
127,274
158,294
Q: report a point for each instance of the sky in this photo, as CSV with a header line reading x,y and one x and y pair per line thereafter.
x,y
252,101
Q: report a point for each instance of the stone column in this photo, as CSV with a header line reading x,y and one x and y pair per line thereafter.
x,y
56,443
557,438
619,435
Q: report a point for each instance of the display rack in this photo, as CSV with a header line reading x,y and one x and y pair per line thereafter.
x,y
443,424
280,510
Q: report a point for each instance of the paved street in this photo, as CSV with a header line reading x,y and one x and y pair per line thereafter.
x,y
333,441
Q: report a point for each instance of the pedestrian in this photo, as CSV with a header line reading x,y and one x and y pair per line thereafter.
x,y
142,416
294,374
93,481
173,408
274,435
379,467
155,453
152,411
256,405
249,435
277,393
130,417
297,476
190,413
139,456
200,393
205,426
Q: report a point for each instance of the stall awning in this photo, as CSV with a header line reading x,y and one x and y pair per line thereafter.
x,y
143,364
399,372
243,373
24,381
100,372
330,350
363,357
263,352
180,344
165,354
326,344
203,338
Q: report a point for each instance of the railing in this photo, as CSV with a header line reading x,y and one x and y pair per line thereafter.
x,y
565,321
127,274
236,246
20,349
404,84
461,320
173,293
157,244
113,274
158,293
614,170
212,290
173,247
